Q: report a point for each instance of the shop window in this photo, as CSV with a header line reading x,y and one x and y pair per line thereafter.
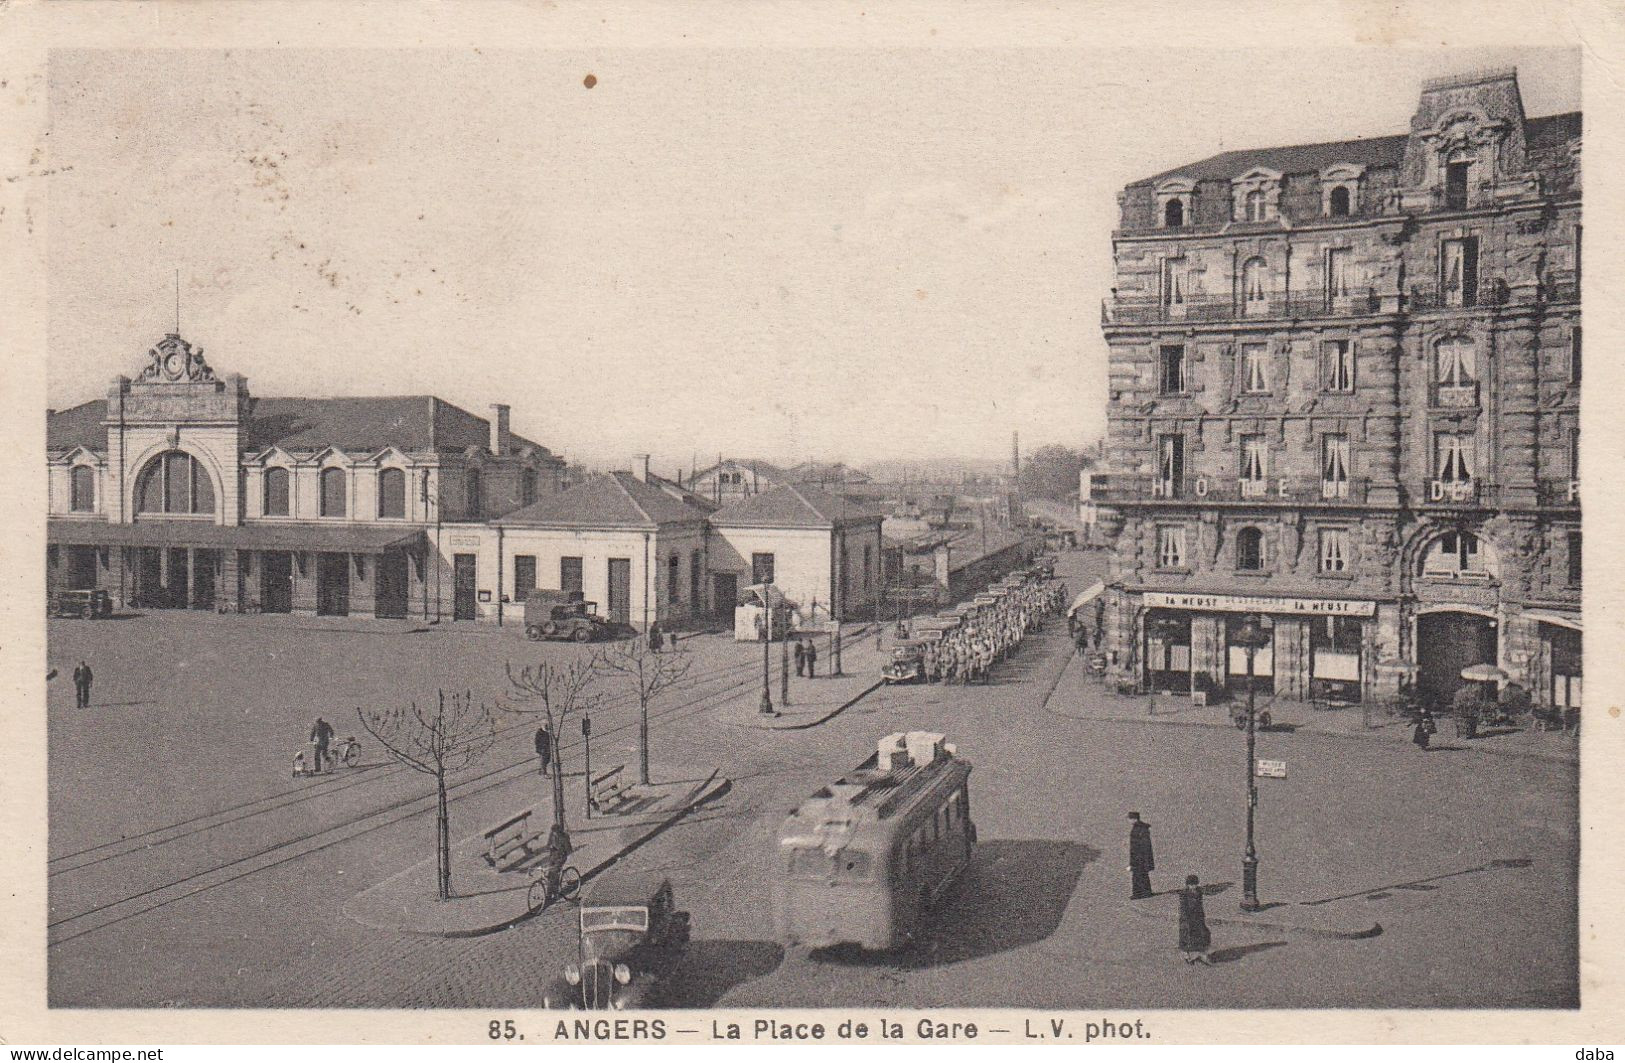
x,y
1171,370
174,483
1173,214
1334,550
1337,365
1334,466
570,574
1339,202
391,493
1255,364
761,568
1250,550
1170,466
82,489
1458,271
1255,287
333,492
275,485
1171,546
1575,554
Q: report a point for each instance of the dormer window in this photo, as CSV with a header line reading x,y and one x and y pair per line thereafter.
x,y
1456,178
1175,197
1337,204
1256,195
1340,189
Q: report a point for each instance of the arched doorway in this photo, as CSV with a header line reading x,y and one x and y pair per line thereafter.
x,y
1448,641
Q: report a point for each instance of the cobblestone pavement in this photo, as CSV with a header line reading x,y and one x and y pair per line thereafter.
x,y
1466,858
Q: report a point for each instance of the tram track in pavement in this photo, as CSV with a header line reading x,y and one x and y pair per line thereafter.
x,y
67,928
162,835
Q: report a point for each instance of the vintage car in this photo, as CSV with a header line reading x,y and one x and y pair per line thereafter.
x,y
87,604
563,615
907,664
631,938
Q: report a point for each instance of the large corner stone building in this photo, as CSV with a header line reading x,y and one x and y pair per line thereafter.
x,y
1344,393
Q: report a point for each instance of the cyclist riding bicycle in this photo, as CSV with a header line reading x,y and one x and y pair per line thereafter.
x,y
558,854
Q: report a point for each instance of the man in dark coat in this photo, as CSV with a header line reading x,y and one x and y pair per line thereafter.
x,y
812,659
1194,936
1140,861
321,735
544,747
801,659
81,685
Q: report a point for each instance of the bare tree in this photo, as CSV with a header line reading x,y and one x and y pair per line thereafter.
x,y
647,673
555,692
449,735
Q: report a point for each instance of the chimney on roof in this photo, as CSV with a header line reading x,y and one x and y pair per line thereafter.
x,y
640,467
501,438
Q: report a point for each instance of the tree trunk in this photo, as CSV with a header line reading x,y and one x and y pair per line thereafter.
x,y
643,744
558,780
442,836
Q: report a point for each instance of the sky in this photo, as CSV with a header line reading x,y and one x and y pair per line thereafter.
x,y
833,254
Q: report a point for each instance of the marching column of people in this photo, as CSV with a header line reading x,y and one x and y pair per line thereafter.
x,y
992,633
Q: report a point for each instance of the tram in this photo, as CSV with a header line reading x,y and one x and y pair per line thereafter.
x,y
863,860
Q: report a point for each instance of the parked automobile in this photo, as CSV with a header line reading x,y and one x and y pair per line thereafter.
x,y
630,938
87,604
563,615
907,664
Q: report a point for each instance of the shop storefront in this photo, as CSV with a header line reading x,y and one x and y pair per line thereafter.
x,y
1317,647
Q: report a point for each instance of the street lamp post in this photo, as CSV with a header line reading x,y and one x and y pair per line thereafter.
x,y
586,760
784,669
1251,637
766,707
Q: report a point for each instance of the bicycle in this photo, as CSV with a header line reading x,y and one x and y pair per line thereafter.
x,y
544,890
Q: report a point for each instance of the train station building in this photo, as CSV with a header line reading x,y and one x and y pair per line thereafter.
x,y
1344,393
183,490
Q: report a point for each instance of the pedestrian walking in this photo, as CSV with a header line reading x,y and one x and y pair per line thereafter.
x,y
1425,730
321,736
801,659
1194,937
656,640
1141,862
544,747
82,678
812,659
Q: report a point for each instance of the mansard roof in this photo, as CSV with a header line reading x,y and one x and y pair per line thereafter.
x,y
1547,132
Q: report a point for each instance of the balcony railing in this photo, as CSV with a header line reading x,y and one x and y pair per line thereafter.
x,y
1454,396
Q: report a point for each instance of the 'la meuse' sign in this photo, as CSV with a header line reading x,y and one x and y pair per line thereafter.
x,y
1248,603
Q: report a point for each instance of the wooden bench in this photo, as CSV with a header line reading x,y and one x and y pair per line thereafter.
x,y
608,788
512,843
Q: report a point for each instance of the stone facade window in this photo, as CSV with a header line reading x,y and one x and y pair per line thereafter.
x,y
1256,195
1334,550
1453,452
1250,550
1175,283
1170,466
1255,453
334,484
1255,366
391,494
174,483
1337,365
1171,369
1334,466
1574,355
1255,287
1458,271
1171,546
275,490
1339,274
570,574
82,489
1574,553
1453,555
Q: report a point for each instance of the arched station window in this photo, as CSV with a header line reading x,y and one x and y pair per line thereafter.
x,y
82,489
174,483
334,491
391,493
276,493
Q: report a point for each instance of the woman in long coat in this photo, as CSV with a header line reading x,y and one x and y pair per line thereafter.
x,y
1194,936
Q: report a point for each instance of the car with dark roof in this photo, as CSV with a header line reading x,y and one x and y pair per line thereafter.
x,y
630,938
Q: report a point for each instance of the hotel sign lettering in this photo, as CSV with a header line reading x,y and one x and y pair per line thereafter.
x,y
1244,603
